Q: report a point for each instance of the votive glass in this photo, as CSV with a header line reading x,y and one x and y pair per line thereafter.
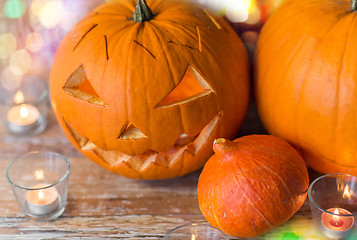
x,y
39,181
333,201
23,110
195,231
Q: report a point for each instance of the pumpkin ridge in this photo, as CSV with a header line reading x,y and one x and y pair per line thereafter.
x,y
263,164
239,182
293,164
304,153
296,50
300,134
328,29
286,187
255,207
338,83
283,42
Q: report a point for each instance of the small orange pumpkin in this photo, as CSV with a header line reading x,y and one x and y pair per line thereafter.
x,y
145,95
306,80
252,184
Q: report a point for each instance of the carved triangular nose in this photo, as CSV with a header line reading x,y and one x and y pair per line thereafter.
x,y
129,131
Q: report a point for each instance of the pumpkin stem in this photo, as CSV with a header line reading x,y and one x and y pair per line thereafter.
x,y
222,145
142,12
353,5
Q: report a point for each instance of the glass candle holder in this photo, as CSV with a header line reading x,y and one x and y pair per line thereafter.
x,y
24,109
333,201
39,181
195,231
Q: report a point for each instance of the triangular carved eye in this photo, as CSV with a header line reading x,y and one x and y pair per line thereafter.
x,y
191,87
129,131
79,87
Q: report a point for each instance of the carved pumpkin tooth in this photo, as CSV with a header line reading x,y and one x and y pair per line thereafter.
x,y
190,148
184,139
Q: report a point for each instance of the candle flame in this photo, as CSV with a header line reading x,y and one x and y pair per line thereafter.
x,y
346,192
193,237
39,175
24,112
335,216
41,196
19,97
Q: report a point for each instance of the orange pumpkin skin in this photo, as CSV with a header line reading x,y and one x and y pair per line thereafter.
x,y
147,99
252,184
306,80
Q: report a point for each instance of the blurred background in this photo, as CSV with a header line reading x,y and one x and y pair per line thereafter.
x,y
30,30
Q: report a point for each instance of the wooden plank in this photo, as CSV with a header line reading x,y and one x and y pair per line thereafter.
x,y
135,227
95,191
105,227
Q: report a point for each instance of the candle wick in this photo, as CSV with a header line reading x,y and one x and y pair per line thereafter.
x,y
336,222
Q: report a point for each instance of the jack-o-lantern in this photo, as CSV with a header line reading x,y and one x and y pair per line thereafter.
x,y
145,94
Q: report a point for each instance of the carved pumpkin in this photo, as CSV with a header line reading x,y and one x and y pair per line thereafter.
x,y
306,80
252,185
146,98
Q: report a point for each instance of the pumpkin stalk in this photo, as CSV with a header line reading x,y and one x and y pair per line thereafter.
x,y
353,5
222,145
142,12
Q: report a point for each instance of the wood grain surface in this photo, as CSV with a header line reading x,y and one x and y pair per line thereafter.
x,y
103,205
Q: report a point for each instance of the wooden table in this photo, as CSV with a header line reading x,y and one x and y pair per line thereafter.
x,y
103,205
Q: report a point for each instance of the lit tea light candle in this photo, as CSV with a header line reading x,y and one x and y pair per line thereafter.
x,y
22,117
335,225
42,201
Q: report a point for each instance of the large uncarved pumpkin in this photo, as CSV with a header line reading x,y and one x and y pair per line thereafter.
x,y
306,80
145,95
252,185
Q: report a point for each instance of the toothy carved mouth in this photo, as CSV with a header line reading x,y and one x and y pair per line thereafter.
x,y
184,145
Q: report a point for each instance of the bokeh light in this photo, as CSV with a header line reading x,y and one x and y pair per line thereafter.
x,y
247,11
254,15
9,81
8,45
30,31
68,20
237,10
14,8
20,62
36,6
51,14
34,42
250,37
